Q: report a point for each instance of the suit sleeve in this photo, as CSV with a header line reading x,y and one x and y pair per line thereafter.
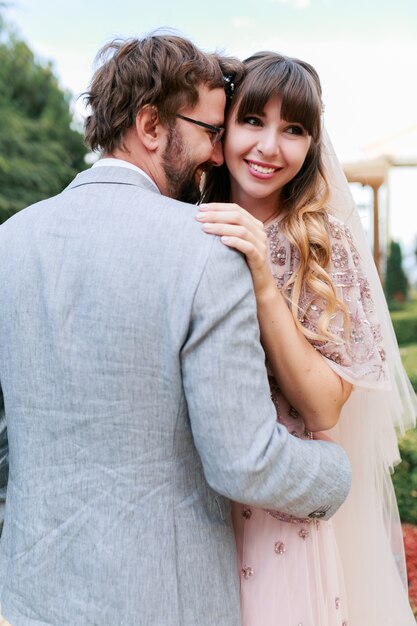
x,y
247,456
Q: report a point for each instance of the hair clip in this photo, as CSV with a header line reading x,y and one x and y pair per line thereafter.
x,y
229,86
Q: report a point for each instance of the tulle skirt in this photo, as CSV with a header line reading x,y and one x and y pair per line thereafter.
x,y
290,571
347,571
367,526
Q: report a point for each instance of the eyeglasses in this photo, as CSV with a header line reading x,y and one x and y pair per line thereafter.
x,y
216,132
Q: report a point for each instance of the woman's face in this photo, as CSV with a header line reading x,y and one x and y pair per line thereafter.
x,y
263,153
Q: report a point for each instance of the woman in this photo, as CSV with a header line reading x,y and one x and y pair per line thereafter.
x,y
325,348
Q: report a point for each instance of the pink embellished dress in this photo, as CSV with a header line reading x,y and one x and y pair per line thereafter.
x,y
290,570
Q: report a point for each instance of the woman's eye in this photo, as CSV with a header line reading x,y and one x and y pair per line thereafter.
x,y
294,129
252,120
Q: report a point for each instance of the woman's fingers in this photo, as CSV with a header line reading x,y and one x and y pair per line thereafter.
x,y
257,241
247,248
221,206
240,221
229,217
228,229
238,229
229,213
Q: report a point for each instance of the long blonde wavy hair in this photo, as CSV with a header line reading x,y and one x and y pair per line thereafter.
x,y
303,200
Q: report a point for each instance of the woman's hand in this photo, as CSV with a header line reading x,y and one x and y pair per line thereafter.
x,y
240,230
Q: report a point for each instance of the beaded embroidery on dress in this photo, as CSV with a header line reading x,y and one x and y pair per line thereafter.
x,y
290,569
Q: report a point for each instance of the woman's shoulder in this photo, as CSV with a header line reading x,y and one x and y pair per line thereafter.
x,y
343,251
338,229
333,220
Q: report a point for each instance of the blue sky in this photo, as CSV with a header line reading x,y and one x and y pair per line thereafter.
x,y
364,50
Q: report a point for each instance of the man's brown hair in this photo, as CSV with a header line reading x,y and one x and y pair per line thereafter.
x,y
164,71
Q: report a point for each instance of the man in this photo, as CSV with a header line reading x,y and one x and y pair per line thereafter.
x,y
136,395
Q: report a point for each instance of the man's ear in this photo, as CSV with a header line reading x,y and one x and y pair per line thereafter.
x,y
148,126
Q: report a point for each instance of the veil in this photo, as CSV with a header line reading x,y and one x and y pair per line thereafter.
x,y
367,526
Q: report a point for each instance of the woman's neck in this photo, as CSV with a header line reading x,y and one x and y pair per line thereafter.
x,y
263,209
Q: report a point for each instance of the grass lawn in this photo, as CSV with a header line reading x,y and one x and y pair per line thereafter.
x,y
409,359
408,309
405,323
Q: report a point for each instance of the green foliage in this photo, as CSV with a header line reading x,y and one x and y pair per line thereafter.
x,y
405,329
396,282
40,152
405,323
405,478
409,359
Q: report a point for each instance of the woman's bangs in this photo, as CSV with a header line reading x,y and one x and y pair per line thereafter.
x,y
255,93
283,77
299,103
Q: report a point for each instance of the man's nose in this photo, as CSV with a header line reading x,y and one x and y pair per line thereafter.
x,y
217,157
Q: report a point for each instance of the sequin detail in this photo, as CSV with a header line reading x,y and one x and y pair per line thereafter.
x,y
362,353
365,289
339,255
335,231
247,513
279,547
247,572
347,278
279,256
357,336
303,533
336,358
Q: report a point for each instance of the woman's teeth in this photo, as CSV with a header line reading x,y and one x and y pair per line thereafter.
x,y
261,169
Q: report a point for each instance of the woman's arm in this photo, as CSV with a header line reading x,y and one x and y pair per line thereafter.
x,y
307,381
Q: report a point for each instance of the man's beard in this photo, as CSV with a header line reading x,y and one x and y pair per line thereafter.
x,y
180,170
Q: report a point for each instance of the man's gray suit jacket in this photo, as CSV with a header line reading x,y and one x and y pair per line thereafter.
x,y
137,405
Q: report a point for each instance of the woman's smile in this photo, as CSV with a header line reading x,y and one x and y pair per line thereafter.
x,y
261,170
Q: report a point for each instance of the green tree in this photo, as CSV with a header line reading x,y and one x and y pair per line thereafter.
x,y
396,282
40,151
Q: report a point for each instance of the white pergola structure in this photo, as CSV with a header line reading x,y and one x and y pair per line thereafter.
x,y
372,173
396,150
375,173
